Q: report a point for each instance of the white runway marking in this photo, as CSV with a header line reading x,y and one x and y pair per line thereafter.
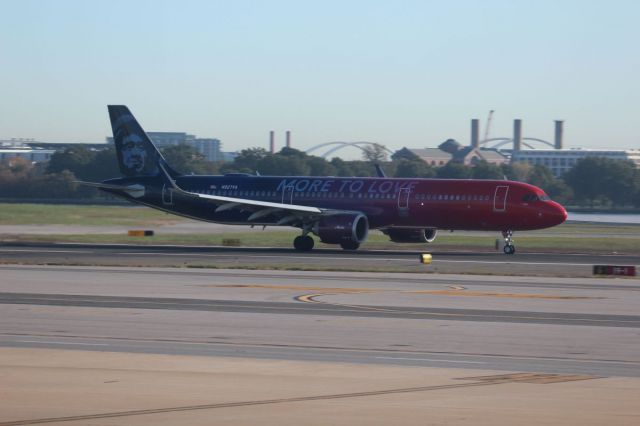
x,y
62,343
41,251
515,263
430,359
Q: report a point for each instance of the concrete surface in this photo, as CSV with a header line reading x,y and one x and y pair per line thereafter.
x,y
77,387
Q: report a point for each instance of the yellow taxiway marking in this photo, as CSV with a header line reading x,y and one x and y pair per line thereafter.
x,y
490,294
310,298
298,287
453,290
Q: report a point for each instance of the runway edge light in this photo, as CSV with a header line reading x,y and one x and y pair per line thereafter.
x,y
425,258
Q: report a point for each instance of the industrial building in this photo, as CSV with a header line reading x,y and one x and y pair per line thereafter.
x,y
20,148
560,161
518,149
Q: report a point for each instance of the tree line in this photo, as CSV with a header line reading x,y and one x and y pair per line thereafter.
x,y
593,182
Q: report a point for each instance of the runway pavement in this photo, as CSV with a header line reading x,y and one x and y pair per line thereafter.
x,y
99,345
543,264
569,326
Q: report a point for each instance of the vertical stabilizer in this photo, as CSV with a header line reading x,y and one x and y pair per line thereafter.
x,y
137,156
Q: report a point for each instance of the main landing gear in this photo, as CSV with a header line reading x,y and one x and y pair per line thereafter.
x,y
349,245
509,248
303,243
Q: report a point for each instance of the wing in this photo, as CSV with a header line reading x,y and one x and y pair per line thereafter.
x,y
262,212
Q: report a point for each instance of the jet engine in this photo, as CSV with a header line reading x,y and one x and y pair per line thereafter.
x,y
342,228
426,235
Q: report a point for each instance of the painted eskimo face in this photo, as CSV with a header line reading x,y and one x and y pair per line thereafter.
x,y
134,156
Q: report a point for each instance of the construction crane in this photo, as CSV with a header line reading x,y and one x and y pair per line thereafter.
x,y
487,127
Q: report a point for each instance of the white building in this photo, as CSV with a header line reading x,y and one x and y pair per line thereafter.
x,y
560,161
30,154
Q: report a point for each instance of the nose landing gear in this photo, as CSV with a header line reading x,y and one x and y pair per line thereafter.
x,y
509,248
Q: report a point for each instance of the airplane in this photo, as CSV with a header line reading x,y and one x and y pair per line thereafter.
x,y
338,210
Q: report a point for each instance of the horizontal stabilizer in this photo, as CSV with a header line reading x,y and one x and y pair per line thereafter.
x,y
103,185
135,190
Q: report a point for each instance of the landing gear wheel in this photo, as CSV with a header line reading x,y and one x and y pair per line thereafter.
x,y
303,243
349,245
509,248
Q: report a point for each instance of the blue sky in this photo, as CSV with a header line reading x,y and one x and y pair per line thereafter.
x,y
402,73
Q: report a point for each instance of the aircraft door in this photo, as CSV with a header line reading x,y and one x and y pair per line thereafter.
x,y
167,196
500,198
287,194
403,201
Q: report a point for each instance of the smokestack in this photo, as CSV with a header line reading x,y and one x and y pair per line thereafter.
x,y
272,141
475,133
288,138
558,134
517,135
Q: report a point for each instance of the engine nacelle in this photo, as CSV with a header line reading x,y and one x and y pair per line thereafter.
x,y
426,235
342,228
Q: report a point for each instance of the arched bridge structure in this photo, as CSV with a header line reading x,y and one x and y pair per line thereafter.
x,y
500,142
336,146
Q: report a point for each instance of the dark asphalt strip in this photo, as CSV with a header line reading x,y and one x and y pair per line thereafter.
x,y
395,312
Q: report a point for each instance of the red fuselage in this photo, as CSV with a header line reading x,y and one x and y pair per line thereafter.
x,y
458,204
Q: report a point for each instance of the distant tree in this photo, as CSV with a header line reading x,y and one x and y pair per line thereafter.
x,y
486,170
620,181
404,154
248,158
280,165
292,152
518,171
318,166
598,178
102,165
453,170
362,168
73,159
413,168
636,190
375,153
341,167
541,176
185,159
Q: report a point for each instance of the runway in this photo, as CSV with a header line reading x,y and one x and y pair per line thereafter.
x,y
542,264
320,308
542,325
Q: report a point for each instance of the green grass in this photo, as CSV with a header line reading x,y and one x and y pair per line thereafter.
x,y
375,241
567,237
58,214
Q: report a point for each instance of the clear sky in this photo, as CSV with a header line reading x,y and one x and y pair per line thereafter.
x,y
401,73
